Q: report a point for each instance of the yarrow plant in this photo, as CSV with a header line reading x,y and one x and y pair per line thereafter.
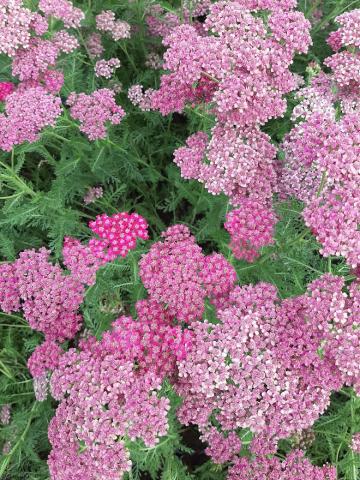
x,y
179,241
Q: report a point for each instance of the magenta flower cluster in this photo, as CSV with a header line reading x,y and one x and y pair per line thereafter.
x,y
176,273
5,89
117,235
251,227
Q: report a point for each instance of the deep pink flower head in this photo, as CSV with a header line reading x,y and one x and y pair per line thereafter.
x,y
117,234
251,227
50,299
5,89
294,467
44,358
94,111
152,340
27,112
335,40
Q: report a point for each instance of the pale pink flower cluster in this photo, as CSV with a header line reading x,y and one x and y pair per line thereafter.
x,y
334,219
16,23
319,98
94,45
105,398
50,299
9,293
65,42
41,387
240,163
346,64
294,467
118,29
322,152
177,273
106,68
159,21
139,98
239,65
260,368
93,194
32,62
322,168
251,226
5,89
27,112
355,443
94,111
5,413
63,10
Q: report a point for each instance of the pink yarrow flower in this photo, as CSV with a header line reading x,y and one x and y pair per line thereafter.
x,y
106,22
5,89
106,68
27,112
251,226
94,111
63,10
117,234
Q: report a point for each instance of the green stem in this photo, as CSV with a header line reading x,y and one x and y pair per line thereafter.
x,y
21,440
